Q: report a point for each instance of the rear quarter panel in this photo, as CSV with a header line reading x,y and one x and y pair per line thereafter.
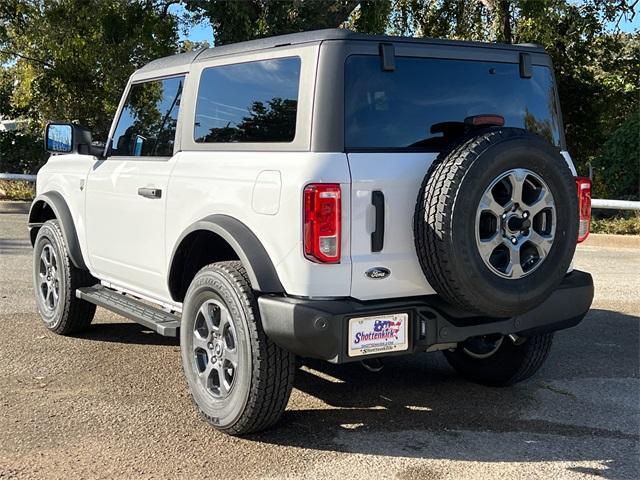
x,y
206,183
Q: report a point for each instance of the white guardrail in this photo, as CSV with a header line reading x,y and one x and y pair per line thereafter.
x,y
595,202
614,204
17,176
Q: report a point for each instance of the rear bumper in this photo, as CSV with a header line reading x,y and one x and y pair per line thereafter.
x,y
319,328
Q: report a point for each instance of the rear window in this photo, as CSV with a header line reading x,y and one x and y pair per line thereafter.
x,y
423,102
248,102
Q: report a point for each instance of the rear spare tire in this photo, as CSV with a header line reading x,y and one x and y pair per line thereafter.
x,y
496,222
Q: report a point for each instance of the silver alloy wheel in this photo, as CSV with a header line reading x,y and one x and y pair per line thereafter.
x,y
49,278
215,349
515,223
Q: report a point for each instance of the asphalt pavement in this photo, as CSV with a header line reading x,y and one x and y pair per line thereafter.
x,y
112,403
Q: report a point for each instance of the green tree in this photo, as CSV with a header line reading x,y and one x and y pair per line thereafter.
x,y
617,168
70,59
235,21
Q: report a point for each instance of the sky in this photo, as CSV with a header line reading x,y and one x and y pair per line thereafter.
x,y
199,33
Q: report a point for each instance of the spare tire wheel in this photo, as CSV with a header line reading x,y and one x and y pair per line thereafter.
x,y
496,222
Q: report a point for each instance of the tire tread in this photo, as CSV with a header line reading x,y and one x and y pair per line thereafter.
x,y
273,367
77,313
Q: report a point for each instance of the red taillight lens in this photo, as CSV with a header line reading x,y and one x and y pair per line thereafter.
x,y
322,219
584,207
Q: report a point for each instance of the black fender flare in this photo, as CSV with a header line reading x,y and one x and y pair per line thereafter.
x,y
58,205
262,273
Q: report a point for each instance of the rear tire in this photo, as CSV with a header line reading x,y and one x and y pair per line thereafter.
x,y
55,280
512,362
238,378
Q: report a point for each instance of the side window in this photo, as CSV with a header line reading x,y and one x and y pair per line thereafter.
x,y
248,102
147,124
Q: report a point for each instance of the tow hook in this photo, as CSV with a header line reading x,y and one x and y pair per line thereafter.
x,y
373,365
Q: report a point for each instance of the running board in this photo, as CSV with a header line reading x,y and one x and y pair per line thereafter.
x,y
156,319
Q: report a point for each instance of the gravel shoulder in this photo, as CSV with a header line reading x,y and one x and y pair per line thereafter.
x,y
112,403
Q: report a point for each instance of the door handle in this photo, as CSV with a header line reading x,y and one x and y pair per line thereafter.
x,y
377,237
149,192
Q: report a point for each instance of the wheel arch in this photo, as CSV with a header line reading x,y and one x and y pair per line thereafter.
x,y
52,205
217,238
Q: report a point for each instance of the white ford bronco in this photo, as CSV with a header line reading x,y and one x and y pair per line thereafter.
x,y
325,195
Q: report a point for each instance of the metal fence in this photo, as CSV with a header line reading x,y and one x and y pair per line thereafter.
x,y
17,176
614,204
595,203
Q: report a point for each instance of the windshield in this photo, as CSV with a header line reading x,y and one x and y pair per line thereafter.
x,y
422,104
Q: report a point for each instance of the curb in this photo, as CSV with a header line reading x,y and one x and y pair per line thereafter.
x,y
611,241
14,207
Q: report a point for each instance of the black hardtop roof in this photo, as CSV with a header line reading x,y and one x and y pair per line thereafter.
x,y
316,36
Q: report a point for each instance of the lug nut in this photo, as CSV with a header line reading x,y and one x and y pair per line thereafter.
x,y
525,215
504,216
514,240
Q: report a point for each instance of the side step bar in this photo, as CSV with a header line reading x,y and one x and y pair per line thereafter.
x,y
156,319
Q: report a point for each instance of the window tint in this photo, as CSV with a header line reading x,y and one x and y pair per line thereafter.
x,y
248,102
423,103
147,125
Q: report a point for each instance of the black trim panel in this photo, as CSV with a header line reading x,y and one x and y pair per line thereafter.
x,y
318,328
61,210
244,242
377,236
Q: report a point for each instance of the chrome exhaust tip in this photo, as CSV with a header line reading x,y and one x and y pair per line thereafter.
x,y
373,365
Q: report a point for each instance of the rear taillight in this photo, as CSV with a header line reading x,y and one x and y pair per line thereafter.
x,y
322,221
584,207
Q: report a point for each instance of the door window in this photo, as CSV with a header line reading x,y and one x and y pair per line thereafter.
x,y
147,124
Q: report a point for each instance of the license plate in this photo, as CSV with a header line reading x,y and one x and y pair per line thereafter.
x,y
379,334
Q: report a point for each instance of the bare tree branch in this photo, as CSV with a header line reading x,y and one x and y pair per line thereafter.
x,y
25,57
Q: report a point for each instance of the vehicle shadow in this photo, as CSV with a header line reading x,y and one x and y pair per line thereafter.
x,y
418,407
127,333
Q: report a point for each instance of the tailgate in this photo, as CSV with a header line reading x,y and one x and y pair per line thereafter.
x,y
398,176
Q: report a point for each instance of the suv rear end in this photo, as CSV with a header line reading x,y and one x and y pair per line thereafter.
x,y
397,107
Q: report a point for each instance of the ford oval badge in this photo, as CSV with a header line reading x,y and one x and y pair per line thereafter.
x,y
378,273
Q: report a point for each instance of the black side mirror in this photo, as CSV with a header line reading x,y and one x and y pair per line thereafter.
x,y
70,138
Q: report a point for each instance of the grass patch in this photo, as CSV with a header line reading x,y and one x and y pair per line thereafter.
x,y
617,225
17,190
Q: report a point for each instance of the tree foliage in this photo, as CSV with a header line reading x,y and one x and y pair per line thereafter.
x,y
616,171
70,59
235,21
21,152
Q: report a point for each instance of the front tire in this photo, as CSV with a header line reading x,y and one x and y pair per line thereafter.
x,y
238,378
55,280
499,361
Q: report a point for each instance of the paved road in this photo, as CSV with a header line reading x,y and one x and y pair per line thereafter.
x,y
112,402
